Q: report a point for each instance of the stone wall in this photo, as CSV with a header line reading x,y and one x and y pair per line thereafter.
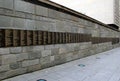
x,y
18,14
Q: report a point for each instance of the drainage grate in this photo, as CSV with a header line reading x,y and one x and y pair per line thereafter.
x,y
81,65
41,80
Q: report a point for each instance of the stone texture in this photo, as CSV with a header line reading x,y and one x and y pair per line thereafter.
x,y
30,62
15,72
49,47
34,55
5,21
16,50
34,68
55,51
45,60
19,23
4,51
28,49
21,56
38,48
7,59
46,53
41,10
6,4
4,68
24,6
15,65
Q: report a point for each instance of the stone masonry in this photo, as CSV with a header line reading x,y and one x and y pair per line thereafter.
x,y
19,14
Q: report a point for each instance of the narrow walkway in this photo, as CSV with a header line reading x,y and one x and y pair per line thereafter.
x,y
101,67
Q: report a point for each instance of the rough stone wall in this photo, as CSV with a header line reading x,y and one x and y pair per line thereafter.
x,y
18,14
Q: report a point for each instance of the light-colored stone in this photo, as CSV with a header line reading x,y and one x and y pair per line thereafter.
x,y
28,49
16,50
38,48
41,10
30,62
49,47
6,21
46,53
15,65
45,60
62,50
4,68
24,6
52,58
7,59
21,56
6,4
4,51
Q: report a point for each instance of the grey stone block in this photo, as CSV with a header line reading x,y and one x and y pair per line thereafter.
x,y
52,58
46,53
7,59
19,23
54,14
55,51
15,72
38,48
6,4
49,47
30,62
34,55
15,65
6,21
29,16
20,14
45,60
4,68
22,56
41,11
24,6
28,49
4,51
16,50
62,50
30,24
0,60
34,68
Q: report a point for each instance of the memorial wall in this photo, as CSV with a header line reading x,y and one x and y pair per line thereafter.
x,y
37,34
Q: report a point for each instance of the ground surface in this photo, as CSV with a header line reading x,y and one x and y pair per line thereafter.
x,y
101,67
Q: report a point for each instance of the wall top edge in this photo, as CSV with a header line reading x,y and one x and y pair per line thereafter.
x,y
62,8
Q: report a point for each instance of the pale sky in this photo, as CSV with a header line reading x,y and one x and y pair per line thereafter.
x,y
97,9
